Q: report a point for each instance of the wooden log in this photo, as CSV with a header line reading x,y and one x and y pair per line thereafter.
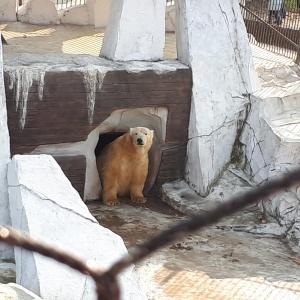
x,y
74,168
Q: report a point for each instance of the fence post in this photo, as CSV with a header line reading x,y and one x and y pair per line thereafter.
x,y
298,53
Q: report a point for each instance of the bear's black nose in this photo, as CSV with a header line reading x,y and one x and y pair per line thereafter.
x,y
139,141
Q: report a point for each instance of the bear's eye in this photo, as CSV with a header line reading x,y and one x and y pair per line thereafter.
x,y
145,133
135,133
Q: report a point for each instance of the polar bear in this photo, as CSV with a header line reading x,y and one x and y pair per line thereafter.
x,y
123,166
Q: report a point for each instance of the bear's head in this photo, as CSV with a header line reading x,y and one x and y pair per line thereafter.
x,y
142,136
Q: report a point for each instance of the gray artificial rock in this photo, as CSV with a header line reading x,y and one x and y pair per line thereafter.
x,y
212,39
44,204
135,31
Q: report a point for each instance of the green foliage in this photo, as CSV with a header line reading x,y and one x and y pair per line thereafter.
x,y
291,4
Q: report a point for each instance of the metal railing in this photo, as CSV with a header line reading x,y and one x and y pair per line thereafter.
x,y
61,4
275,28
106,280
170,2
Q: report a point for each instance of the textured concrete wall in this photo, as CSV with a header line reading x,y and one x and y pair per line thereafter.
x,y
38,12
5,251
135,31
8,10
44,204
212,40
270,139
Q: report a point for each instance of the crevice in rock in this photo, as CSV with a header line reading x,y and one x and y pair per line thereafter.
x,y
44,197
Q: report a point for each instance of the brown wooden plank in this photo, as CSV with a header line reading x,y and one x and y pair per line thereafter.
x,y
180,75
20,149
62,115
138,87
74,168
175,96
111,87
172,163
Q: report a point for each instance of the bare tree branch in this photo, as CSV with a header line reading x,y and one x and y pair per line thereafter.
x,y
16,238
227,208
106,281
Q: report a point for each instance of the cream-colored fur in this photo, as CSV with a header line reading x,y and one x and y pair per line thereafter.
x,y
123,166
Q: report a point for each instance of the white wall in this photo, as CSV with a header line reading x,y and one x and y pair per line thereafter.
x,y
8,10
5,251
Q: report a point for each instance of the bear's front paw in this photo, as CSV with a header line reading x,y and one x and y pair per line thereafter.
x,y
141,199
112,202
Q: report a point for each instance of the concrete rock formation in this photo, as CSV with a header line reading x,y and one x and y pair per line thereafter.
x,y
38,12
270,139
44,204
140,37
212,40
8,11
5,251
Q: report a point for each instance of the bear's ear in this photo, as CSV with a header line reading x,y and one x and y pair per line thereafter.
x,y
130,130
152,132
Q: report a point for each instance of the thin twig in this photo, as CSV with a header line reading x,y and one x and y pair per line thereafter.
x,y
16,238
107,286
106,282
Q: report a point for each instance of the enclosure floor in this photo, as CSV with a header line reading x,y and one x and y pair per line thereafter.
x,y
69,39
212,264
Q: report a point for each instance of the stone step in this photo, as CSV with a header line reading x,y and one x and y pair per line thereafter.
x,y
281,102
280,80
286,140
273,142
286,126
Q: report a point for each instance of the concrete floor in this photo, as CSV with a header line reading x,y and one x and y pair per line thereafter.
x,y
68,39
211,264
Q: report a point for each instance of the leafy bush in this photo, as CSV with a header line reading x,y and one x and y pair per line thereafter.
x,y
291,4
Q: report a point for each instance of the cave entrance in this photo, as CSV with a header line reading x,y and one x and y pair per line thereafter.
x,y
119,122
154,154
105,139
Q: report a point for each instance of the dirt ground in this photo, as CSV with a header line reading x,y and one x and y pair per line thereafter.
x,y
211,264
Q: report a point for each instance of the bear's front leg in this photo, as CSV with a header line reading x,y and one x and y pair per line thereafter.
x,y
136,193
111,201
140,198
138,182
110,194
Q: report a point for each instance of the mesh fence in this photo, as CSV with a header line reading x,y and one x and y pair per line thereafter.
x,y
62,4
274,25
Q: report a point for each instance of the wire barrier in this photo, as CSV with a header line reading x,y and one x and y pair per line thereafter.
x,y
274,28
